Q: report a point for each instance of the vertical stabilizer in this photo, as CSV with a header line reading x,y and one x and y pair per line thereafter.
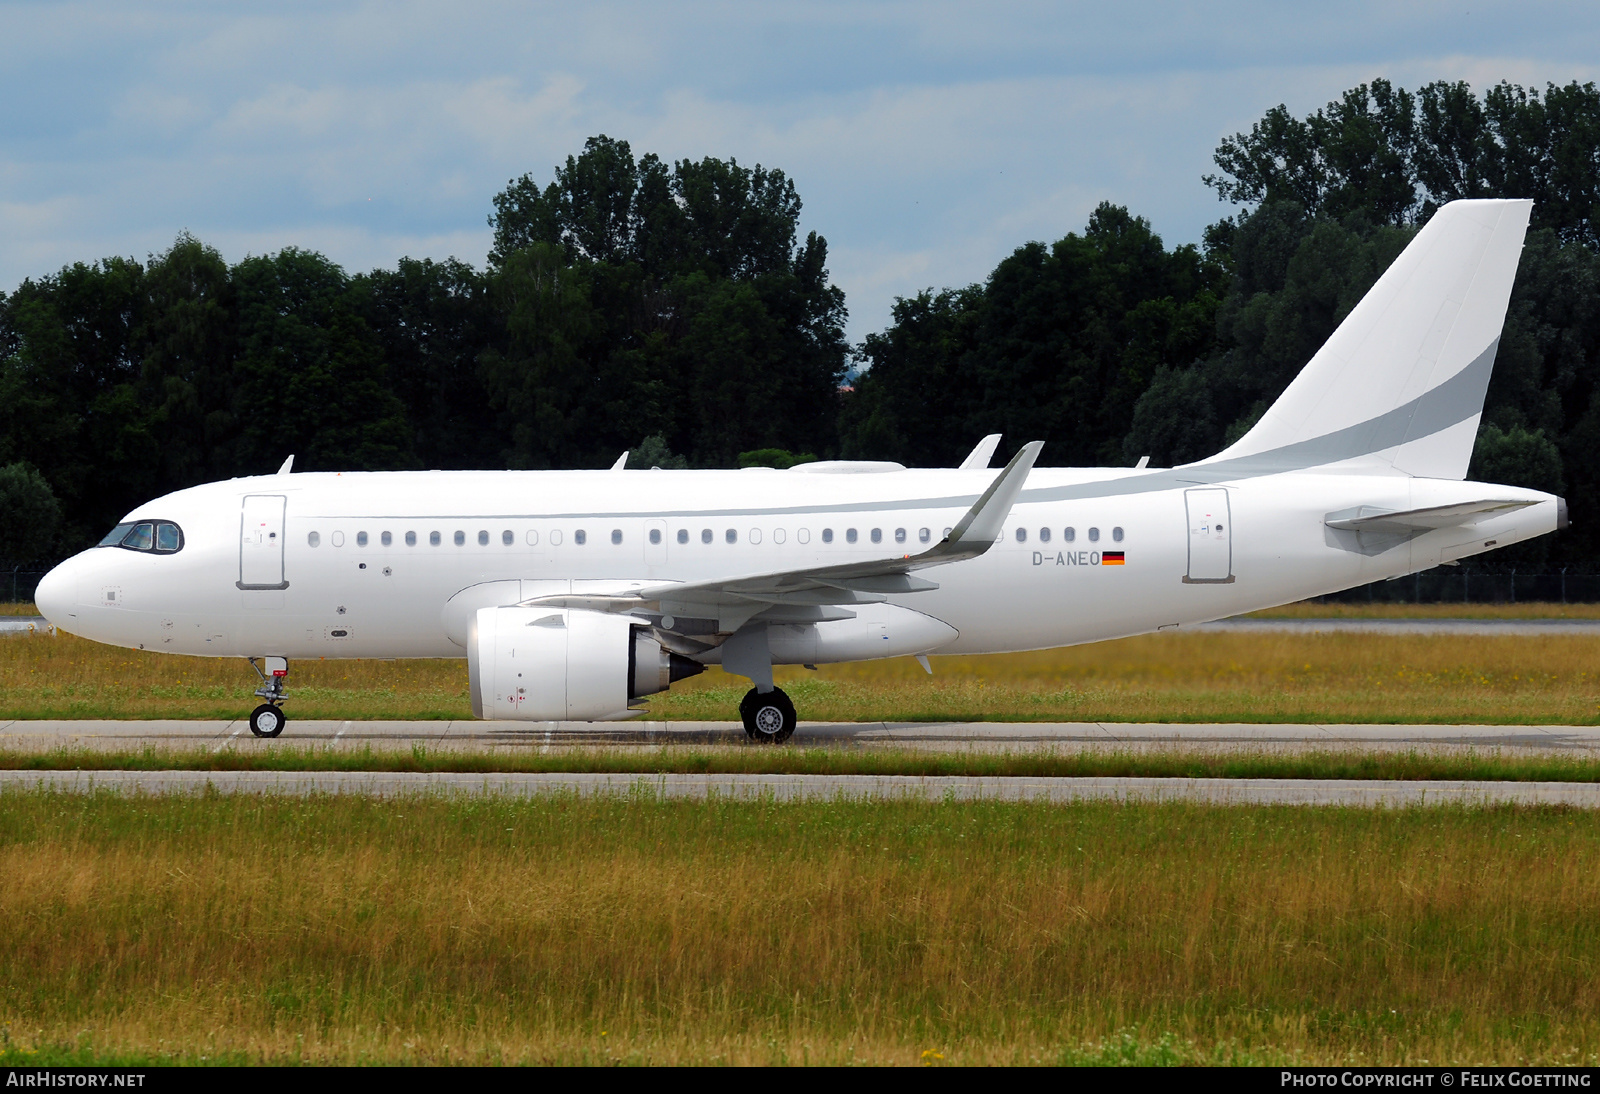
x,y
1400,385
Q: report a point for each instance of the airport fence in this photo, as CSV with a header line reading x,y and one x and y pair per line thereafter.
x,y
1459,585
1462,585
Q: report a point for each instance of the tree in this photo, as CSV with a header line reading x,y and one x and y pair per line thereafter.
x,y
310,378
685,307
30,516
433,321
1058,345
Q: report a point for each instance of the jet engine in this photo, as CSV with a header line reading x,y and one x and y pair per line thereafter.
x,y
552,664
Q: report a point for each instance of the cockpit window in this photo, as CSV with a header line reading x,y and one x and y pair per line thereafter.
x,y
160,537
114,536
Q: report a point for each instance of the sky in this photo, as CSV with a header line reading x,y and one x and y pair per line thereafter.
x,y
927,140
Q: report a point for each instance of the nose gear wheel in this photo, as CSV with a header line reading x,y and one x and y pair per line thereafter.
x,y
267,720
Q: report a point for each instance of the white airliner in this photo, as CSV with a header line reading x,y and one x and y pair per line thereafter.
x,y
575,594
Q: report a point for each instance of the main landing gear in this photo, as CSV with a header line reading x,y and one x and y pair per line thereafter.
x,y
768,717
268,719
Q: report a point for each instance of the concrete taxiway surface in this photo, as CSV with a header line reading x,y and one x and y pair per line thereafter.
x,y
824,787
982,736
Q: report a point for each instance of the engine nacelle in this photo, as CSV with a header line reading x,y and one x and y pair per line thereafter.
x,y
557,664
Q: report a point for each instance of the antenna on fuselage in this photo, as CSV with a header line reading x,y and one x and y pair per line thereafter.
x,y
287,464
622,462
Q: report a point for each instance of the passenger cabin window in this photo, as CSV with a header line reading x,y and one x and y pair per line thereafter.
x,y
1069,534
849,535
361,539
616,537
1116,534
532,537
483,537
683,535
507,538
877,535
705,535
1044,535
461,539
433,539
899,535
387,539
1022,535
924,535
827,535
1094,535
314,539
655,536
580,537
731,536
160,537
411,539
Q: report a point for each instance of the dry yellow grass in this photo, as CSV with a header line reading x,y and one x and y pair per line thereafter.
x,y
573,930
1267,677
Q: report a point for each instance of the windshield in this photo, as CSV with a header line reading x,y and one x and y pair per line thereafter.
x,y
160,537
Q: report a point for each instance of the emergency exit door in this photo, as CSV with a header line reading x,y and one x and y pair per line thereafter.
x,y
1210,537
261,542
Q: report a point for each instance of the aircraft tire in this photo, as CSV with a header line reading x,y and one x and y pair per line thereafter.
x,y
267,720
769,718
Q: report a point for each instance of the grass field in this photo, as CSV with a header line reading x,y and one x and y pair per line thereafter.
x,y
242,928
1164,762
1181,677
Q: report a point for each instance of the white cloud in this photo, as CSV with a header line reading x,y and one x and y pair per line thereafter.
x,y
927,139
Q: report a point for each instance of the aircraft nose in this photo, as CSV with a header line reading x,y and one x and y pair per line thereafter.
x,y
56,593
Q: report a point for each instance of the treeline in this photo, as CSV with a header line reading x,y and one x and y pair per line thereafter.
x,y
675,310
1113,347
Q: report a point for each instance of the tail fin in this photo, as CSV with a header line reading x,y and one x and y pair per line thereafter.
x,y
1400,384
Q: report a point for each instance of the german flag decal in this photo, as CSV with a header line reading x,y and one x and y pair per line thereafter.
x,y
1111,558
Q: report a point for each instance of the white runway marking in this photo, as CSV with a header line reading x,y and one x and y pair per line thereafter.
x,y
229,739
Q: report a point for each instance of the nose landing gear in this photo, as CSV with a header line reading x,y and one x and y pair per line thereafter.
x,y
268,719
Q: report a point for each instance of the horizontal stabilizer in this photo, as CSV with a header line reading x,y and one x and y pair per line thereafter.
x,y
1367,518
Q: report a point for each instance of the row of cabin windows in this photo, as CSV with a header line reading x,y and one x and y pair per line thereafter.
x,y
581,537
1068,535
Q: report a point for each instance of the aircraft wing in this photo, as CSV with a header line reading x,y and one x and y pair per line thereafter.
x,y
732,601
1370,519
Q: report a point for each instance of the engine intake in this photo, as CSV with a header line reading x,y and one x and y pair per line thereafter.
x,y
553,664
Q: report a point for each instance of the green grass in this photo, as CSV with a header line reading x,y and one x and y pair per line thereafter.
x,y
1164,762
1173,677
629,929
